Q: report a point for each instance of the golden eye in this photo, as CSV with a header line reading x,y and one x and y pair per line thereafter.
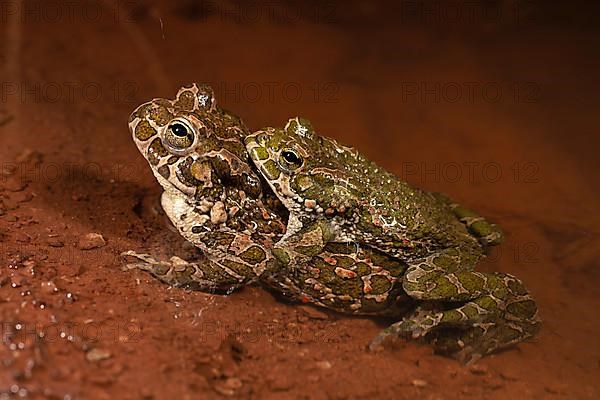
x,y
179,136
290,159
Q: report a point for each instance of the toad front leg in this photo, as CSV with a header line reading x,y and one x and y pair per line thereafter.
x,y
233,261
207,277
494,309
299,248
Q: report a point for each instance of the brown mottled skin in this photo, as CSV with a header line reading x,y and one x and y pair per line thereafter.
x,y
221,205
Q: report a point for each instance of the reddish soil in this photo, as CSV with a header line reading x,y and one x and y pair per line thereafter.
x,y
496,106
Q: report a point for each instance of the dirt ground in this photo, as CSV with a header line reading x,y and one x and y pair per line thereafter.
x,y
494,103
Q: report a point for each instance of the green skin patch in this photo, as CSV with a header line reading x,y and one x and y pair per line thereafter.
x,y
336,189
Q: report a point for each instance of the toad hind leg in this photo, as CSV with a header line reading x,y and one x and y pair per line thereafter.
x,y
208,277
470,344
494,311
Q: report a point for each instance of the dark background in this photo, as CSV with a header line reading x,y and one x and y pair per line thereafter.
x,y
492,102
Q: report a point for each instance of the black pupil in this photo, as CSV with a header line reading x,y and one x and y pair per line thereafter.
x,y
179,130
290,157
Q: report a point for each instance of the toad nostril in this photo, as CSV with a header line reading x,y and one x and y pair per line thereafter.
x,y
261,139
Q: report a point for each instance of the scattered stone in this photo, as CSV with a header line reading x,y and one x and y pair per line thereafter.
x,y
23,197
14,184
323,365
91,241
5,118
27,155
224,391
494,383
10,204
29,266
146,393
313,313
97,355
233,383
55,242
478,369
420,383
556,388
8,169
23,238
228,386
508,376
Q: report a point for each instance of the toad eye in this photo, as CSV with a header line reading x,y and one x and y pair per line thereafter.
x,y
178,130
290,159
179,136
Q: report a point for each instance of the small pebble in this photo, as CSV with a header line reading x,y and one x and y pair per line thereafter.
x,y
23,198
556,388
323,364
313,313
23,238
146,393
91,241
97,354
221,388
420,383
14,184
7,170
55,242
26,155
508,376
233,383
478,369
